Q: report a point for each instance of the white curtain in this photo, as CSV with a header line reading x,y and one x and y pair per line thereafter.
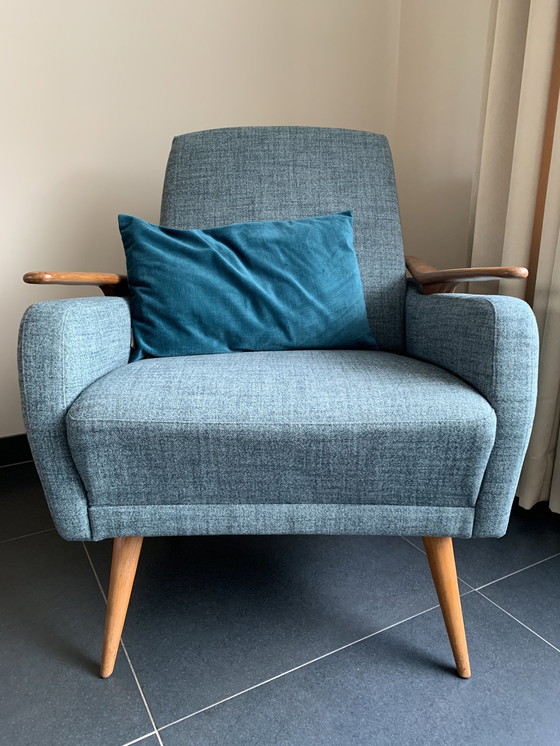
x,y
515,217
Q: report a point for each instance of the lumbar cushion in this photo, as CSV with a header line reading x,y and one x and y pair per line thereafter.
x,y
272,285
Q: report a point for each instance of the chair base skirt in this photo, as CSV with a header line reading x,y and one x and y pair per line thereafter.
x,y
314,518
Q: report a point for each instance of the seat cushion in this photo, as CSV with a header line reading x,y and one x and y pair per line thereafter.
x,y
309,427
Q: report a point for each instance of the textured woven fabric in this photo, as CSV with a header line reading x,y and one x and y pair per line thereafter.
x,y
492,343
184,520
273,285
327,427
64,346
243,174
276,442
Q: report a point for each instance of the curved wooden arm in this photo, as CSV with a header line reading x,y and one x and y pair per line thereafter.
x,y
109,283
435,280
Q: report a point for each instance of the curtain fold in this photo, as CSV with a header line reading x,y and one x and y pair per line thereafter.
x,y
515,215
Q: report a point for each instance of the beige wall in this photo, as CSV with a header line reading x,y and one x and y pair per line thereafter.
x,y
93,92
439,84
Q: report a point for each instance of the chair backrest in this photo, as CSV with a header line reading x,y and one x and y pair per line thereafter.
x,y
241,174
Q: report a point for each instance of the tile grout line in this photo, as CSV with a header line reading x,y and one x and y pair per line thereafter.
x,y
24,536
509,575
497,580
156,732
314,660
412,544
515,572
16,463
296,668
519,621
137,740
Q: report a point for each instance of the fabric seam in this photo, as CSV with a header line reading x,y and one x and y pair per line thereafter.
x,y
296,505
251,423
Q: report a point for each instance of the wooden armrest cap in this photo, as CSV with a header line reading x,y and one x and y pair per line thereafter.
x,y
73,278
425,274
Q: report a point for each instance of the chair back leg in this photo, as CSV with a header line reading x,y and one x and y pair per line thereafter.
x,y
444,574
126,552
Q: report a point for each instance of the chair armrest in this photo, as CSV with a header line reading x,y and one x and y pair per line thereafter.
x,y
108,282
64,346
491,342
432,280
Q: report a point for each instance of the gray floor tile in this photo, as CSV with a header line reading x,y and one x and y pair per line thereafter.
x,y
23,508
50,637
532,535
397,688
211,616
533,597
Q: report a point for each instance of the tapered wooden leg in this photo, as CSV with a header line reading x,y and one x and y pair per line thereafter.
x,y
126,552
442,565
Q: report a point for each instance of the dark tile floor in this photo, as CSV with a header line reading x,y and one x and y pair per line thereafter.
x,y
275,640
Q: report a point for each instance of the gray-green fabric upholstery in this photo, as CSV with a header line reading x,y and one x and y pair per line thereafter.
x,y
492,343
308,431
240,174
424,437
64,346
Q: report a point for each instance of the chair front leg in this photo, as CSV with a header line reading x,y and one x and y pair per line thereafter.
x,y
444,574
126,552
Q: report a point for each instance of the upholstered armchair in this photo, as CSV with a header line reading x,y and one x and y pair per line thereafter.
x,y
425,436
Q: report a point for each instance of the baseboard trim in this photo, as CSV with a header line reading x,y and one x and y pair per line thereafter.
x,y
14,449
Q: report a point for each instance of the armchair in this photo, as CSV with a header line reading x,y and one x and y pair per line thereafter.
x,y
424,437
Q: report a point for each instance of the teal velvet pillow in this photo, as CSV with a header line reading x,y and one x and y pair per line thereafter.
x,y
274,285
